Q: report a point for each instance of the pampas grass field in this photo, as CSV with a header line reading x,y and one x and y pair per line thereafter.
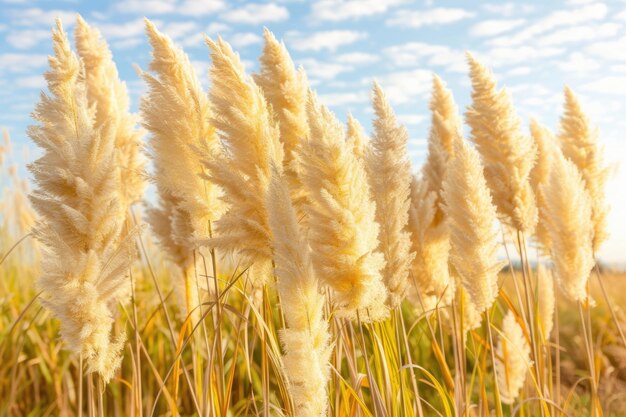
x,y
242,252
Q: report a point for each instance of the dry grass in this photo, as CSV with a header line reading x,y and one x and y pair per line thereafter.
x,y
295,254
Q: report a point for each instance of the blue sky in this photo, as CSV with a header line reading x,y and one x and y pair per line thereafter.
x,y
534,48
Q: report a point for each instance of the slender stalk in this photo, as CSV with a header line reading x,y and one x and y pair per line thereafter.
x,y
80,386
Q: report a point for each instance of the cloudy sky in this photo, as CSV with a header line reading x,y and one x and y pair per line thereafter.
x,y
534,48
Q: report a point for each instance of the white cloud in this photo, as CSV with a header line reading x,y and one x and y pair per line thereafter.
x,y
341,99
508,9
217,27
357,58
614,50
621,16
240,40
518,71
31,81
495,27
177,30
338,10
16,62
427,17
24,39
127,43
612,85
316,41
555,19
256,14
419,53
578,63
406,86
411,119
502,57
621,68
580,33
129,29
200,7
316,69
39,17
186,7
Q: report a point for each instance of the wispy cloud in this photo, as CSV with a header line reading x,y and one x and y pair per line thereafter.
x,y
428,17
186,7
20,62
256,14
581,33
406,86
317,69
338,10
418,53
38,17
330,40
559,18
25,39
357,58
495,27
241,40
508,9
612,50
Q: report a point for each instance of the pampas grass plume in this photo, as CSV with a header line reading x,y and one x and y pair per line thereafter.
x,y
472,217
579,143
77,195
251,144
568,209
513,359
389,171
306,337
343,231
507,154
109,96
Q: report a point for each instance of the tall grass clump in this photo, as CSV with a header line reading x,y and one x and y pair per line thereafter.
x,y
343,232
579,143
187,202
306,337
321,273
86,255
249,145
507,154
428,223
389,171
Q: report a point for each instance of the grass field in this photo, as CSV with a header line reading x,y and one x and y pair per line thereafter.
x,y
292,266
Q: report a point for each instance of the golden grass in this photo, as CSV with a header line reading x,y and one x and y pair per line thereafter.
x,y
285,308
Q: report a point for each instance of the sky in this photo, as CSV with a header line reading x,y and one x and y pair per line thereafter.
x,y
533,47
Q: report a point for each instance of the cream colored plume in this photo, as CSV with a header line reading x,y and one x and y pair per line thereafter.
x,y
546,301
431,283
430,235
109,96
188,201
250,146
579,142
389,172
568,209
546,145
78,194
512,359
471,218
306,337
507,154
356,137
343,231
176,113
285,89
